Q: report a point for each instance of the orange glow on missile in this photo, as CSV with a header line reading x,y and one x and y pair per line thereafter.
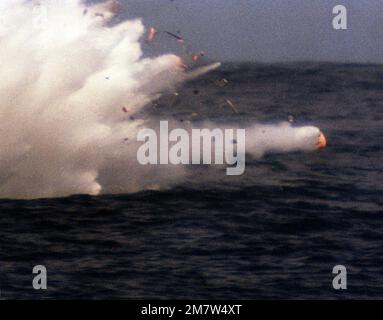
x,y
322,143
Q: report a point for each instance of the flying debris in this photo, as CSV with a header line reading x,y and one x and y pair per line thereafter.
x,y
198,56
232,106
193,57
179,38
125,110
223,82
290,118
201,71
153,32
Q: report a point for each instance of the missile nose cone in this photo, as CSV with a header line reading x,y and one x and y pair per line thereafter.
x,y
322,142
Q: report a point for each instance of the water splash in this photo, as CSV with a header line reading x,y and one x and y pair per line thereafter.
x,y
66,76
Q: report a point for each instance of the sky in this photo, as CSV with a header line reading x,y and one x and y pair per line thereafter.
x,y
269,30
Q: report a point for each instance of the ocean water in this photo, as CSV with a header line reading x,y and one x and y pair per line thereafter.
x,y
274,233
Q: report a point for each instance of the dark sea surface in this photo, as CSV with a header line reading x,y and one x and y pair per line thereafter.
x,y
275,232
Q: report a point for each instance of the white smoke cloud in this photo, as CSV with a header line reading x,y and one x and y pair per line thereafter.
x,y
65,76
